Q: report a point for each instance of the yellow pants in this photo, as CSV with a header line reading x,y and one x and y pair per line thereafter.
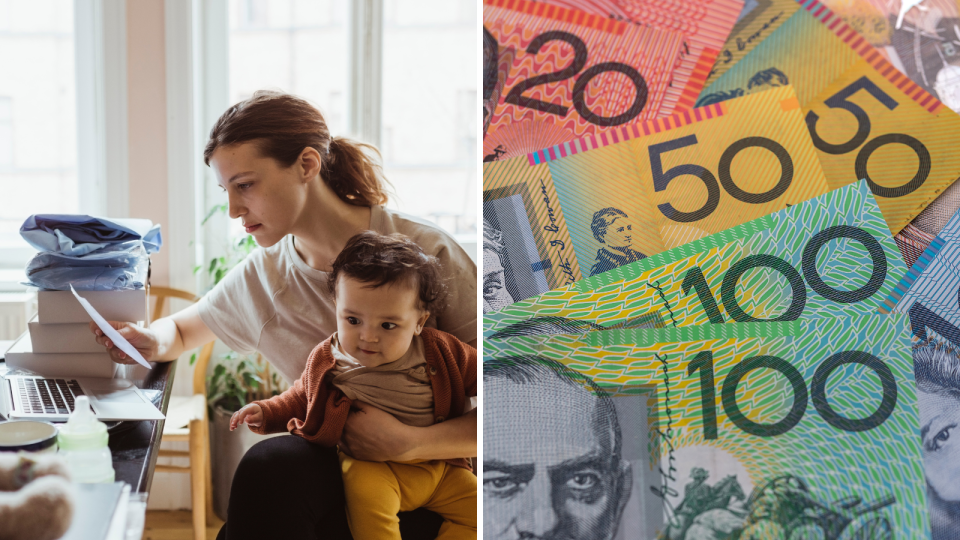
x,y
376,491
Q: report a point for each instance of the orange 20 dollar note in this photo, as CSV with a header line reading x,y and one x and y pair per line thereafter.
x,y
573,74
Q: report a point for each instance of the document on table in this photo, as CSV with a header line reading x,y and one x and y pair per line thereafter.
x,y
114,336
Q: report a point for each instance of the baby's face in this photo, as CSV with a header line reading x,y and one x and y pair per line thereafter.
x,y
376,325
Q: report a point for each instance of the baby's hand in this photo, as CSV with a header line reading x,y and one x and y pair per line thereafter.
x,y
252,414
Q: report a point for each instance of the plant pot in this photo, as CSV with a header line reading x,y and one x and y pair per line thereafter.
x,y
226,449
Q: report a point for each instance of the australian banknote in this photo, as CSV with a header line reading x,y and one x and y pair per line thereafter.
x,y
922,39
704,24
830,255
914,239
919,37
757,20
930,294
591,205
573,74
760,431
865,117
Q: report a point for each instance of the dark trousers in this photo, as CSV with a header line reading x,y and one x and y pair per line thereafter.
x,y
286,487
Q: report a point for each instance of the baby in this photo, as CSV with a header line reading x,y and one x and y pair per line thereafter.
x,y
382,354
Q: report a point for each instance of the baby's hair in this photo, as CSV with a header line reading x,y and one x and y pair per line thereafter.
x,y
377,260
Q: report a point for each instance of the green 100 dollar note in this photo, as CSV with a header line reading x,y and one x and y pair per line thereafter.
x,y
830,255
750,431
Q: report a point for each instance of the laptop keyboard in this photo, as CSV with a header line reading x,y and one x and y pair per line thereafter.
x,y
47,396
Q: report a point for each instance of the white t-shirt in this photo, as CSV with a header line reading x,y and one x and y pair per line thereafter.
x,y
275,304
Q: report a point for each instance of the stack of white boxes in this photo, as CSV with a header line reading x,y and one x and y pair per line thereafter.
x,y
59,343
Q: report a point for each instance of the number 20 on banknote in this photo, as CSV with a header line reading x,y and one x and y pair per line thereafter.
x,y
572,73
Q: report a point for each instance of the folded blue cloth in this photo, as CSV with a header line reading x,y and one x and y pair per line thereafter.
x,y
77,234
89,278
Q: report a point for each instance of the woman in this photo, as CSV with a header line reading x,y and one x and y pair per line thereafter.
x,y
302,194
613,228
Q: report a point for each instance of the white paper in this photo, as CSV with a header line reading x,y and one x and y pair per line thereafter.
x,y
114,336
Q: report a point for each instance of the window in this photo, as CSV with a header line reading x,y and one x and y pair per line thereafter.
x,y
429,102
297,46
430,111
38,121
6,132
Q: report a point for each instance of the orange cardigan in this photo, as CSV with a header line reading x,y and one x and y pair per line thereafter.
x,y
316,410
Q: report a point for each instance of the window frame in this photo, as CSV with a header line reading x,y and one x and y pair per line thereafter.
x,y
100,56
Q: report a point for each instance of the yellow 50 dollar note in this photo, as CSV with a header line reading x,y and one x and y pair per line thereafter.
x,y
867,119
591,205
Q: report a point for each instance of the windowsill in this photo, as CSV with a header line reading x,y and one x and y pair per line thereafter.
x,y
10,279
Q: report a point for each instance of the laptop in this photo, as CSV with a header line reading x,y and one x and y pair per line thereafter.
x,y
33,397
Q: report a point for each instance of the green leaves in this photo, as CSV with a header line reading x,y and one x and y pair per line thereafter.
x,y
236,380
222,208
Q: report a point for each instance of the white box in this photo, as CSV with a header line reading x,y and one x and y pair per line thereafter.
x,y
63,338
21,356
60,307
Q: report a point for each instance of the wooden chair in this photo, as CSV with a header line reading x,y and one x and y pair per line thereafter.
x,y
187,422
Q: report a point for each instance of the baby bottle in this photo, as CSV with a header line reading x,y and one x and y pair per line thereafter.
x,y
83,444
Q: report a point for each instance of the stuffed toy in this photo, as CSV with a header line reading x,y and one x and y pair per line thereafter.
x,y
36,497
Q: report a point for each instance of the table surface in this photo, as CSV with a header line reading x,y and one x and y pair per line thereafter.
x,y
135,449
135,444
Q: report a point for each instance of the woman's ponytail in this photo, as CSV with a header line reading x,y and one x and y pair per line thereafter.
x,y
283,125
353,174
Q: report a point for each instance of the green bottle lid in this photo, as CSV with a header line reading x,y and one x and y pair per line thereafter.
x,y
82,431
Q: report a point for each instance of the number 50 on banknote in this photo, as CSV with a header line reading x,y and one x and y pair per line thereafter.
x,y
595,204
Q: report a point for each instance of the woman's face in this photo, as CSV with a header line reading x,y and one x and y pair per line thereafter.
x,y
939,418
265,196
619,233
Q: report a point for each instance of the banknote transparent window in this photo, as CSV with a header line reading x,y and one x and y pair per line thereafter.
x,y
38,122
430,109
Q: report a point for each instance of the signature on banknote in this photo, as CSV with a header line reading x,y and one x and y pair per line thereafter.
x,y
743,43
554,228
726,56
666,436
663,297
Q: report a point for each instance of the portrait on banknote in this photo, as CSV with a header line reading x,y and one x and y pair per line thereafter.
x,y
513,268
562,458
613,228
682,433
937,369
495,293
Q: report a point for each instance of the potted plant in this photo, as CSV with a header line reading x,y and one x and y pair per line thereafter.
x,y
234,381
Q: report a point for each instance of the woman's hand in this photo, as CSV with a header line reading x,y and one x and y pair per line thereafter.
x,y
373,435
142,339
252,414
